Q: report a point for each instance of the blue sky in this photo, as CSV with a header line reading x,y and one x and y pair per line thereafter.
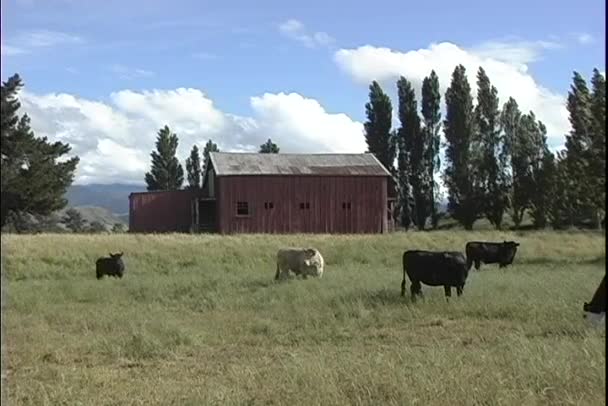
x,y
97,72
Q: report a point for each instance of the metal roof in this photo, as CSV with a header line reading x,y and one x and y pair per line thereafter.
x,y
237,163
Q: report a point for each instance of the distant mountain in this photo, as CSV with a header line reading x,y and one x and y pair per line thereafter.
x,y
113,197
99,214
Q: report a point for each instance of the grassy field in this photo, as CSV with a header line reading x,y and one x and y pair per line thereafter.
x,y
198,320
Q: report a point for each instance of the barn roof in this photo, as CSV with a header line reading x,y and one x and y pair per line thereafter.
x,y
237,163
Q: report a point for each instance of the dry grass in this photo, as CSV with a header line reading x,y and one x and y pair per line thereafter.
x,y
199,320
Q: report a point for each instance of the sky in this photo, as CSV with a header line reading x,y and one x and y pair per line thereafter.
x,y
104,76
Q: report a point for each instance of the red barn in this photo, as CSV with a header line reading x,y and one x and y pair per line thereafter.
x,y
280,193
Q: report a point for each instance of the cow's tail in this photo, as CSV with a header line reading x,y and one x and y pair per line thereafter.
x,y
403,282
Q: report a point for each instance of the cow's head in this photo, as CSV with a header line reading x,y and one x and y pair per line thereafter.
x,y
118,255
507,252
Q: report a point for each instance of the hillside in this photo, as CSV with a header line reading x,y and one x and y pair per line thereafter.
x,y
113,197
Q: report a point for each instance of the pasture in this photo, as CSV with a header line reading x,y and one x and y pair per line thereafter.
x,y
198,320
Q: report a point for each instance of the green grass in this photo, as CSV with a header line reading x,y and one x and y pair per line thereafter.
x,y
198,320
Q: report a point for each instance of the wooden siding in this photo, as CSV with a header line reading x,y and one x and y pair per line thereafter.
x,y
158,212
325,195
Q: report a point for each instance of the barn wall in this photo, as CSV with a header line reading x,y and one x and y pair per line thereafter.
x,y
325,195
163,211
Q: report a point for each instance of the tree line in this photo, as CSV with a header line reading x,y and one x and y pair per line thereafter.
x,y
497,161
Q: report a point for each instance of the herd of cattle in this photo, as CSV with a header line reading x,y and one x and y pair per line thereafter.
x,y
449,269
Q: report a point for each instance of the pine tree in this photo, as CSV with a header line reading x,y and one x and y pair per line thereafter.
x,y
378,134
431,112
461,179
166,172
269,147
210,146
415,147
35,173
193,168
492,160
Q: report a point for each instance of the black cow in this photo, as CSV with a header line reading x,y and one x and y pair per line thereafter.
x,y
501,253
598,301
112,266
434,268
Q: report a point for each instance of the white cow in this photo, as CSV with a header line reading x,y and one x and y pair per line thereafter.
x,y
301,261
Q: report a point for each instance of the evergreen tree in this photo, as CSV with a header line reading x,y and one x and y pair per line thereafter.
x,y
516,149
542,178
269,147
118,228
404,195
598,146
561,207
74,221
166,172
35,173
578,146
378,134
415,147
492,152
193,168
431,113
210,146
461,178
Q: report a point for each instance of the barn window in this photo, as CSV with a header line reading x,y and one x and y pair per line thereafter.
x,y
268,205
242,208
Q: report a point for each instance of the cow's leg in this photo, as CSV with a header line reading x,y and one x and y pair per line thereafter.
x,y
477,264
459,290
416,289
469,263
99,274
448,292
403,287
276,275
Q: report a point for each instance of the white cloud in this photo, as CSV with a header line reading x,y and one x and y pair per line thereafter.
x,y
27,41
125,72
514,51
114,139
295,30
585,39
8,50
509,73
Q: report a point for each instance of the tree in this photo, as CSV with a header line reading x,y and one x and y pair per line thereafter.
x,y
578,146
404,196
598,145
378,134
492,159
118,228
97,227
73,221
543,178
35,172
269,147
166,172
193,168
431,113
413,168
460,176
561,207
210,146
